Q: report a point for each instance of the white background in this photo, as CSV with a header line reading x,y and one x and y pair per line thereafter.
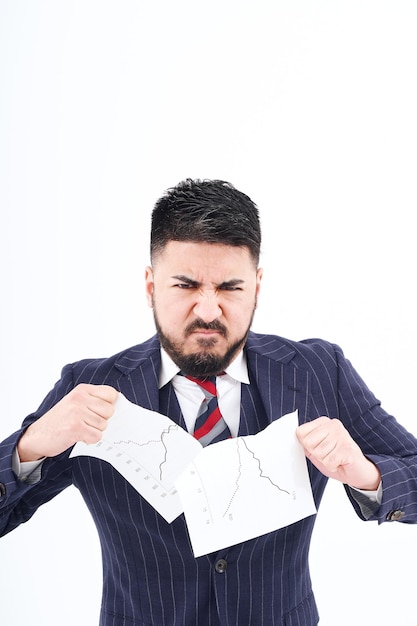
x,y
307,106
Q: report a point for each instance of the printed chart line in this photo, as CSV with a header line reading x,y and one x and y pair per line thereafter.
x,y
238,478
160,441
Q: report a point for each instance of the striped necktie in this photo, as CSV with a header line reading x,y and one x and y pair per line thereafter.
x,y
210,426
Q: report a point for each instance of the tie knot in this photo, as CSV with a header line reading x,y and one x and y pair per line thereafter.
x,y
210,426
208,383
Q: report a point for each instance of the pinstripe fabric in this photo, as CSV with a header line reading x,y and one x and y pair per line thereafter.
x,y
150,576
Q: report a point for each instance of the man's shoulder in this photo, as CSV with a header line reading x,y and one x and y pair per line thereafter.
x,y
285,350
124,361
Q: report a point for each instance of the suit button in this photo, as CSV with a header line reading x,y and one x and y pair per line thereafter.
x,y
2,489
221,566
395,516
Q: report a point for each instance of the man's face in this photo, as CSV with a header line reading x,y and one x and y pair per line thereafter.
x,y
203,297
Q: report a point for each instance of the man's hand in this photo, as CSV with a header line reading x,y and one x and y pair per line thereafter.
x,y
80,416
332,450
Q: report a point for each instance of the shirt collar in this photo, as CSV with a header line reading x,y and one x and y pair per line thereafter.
x,y
238,369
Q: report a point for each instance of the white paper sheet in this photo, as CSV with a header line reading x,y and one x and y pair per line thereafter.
x,y
149,450
242,488
230,491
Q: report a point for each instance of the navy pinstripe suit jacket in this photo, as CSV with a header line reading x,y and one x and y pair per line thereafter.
x,y
150,574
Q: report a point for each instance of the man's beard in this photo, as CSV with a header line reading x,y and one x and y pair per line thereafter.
x,y
202,363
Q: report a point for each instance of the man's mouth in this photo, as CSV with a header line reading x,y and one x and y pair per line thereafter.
x,y
210,329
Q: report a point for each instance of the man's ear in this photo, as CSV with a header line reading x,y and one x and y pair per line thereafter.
x,y
149,285
259,274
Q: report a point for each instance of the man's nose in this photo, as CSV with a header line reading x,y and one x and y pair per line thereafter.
x,y
207,306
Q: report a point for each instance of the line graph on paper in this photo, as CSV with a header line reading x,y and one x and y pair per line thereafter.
x,y
236,483
157,454
149,450
242,488
249,471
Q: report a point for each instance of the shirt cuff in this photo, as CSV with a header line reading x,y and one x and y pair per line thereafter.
x,y
374,496
28,472
368,501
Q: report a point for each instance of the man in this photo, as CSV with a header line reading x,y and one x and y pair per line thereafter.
x,y
203,287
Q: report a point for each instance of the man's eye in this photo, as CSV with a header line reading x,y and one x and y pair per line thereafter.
x,y
231,288
183,285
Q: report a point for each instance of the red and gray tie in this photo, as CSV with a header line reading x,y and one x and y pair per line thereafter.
x,y
210,426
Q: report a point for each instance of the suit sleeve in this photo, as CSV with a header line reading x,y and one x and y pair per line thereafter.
x,y
384,441
18,499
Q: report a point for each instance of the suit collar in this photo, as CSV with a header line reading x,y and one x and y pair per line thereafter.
x,y
140,367
135,357
266,356
269,346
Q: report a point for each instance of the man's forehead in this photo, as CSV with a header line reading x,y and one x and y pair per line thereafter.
x,y
200,253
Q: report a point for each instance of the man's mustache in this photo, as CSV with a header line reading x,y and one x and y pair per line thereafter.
x,y
199,324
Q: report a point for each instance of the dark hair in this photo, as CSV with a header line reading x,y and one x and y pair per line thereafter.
x,y
209,211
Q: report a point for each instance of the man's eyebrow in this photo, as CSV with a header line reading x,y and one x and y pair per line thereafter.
x,y
234,282
186,279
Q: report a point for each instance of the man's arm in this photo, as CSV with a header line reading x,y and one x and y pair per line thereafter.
x,y
81,415
67,414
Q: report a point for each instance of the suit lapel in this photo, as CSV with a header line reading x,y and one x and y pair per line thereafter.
x,y
139,368
169,405
282,387
139,381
